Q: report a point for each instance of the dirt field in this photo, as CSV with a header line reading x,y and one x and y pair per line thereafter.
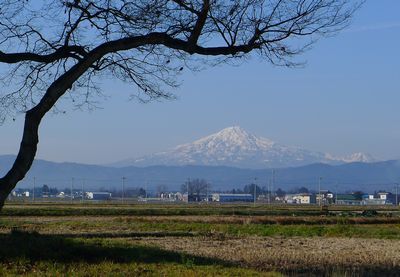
x,y
107,241
288,254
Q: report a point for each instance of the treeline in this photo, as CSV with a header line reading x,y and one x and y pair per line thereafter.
x,y
198,187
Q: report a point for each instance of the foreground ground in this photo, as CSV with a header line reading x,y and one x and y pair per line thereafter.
x,y
172,240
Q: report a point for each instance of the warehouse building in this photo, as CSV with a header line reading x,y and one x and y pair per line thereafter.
x,y
230,197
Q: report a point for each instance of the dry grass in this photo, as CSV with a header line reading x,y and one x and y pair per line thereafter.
x,y
289,254
284,220
289,243
239,226
215,219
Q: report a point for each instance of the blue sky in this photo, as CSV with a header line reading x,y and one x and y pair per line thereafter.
x,y
346,99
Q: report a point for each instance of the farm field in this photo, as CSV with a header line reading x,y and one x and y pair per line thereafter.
x,y
192,240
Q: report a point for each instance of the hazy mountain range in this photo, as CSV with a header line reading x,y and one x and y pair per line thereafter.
x,y
235,147
344,177
228,159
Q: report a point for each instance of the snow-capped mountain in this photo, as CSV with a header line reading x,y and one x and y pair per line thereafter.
x,y
358,157
233,146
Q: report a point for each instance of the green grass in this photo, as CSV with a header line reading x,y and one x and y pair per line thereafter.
x,y
131,269
155,211
110,209
35,254
47,239
105,226
338,230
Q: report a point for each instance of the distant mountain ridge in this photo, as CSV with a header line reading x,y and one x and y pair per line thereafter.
x,y
235,147
344,177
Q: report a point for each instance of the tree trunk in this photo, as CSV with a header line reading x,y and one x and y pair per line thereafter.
x,y
33,117
25,157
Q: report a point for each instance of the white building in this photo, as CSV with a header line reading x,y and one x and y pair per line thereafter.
x,y
383,195
303,198
98,195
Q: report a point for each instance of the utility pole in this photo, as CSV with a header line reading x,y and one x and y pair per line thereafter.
x,y
123,189
272,184
397,192
255,191
83,190
187,189
72,189
147,185
319,191
336,188
34,187
207,192
268,191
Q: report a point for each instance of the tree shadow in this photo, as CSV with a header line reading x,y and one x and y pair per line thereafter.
x,y
36,247
157,234
95,249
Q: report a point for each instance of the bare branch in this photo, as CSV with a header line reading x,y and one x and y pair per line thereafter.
x,y
58,49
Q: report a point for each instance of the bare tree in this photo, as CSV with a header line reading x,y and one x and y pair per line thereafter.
x,y
56,50
161,189
195,189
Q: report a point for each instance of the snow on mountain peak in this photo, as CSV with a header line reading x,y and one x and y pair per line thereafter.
x,y
234,134
234,131
234,137
233,146
358,157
